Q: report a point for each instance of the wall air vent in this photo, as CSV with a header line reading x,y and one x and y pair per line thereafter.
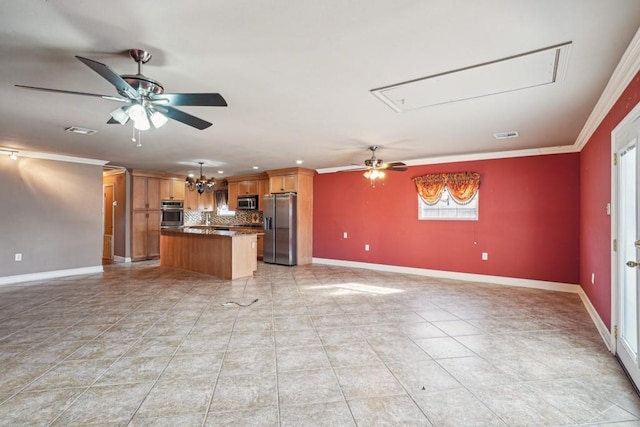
x,y
82,131
505,135
517,72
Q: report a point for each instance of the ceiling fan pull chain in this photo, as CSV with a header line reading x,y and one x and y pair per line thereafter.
x,y
133,135
139,144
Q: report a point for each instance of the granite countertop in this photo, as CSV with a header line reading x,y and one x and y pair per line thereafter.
x,y
209,231
227,226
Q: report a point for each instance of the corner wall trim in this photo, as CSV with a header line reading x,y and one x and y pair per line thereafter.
x,y
8,280
496,280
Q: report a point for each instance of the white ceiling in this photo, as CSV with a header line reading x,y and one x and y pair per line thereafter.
x,y
297,76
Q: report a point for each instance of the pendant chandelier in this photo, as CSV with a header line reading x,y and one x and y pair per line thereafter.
x,y
201,184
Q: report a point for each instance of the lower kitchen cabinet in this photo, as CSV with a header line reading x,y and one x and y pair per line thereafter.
x,y
145,238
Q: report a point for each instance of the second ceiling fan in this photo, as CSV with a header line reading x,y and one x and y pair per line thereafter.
x,y
144,98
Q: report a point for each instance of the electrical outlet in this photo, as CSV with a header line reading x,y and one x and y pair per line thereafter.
x,y
344,235
366,247
485,256
18,257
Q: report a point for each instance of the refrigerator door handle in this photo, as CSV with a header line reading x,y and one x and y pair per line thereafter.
x,y
267,223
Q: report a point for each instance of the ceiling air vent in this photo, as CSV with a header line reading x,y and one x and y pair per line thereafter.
x,y
505,135
82,131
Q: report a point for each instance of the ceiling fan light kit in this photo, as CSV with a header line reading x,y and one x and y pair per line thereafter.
x,y
376,167
144,98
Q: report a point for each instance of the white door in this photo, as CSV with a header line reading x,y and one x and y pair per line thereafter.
x,y
627,184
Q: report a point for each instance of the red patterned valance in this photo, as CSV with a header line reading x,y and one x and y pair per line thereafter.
x,y
462,186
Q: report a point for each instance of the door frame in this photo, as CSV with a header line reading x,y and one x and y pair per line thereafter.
x,y
620,129
113,215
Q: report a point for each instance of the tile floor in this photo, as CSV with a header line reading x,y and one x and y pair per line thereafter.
x,y
142,345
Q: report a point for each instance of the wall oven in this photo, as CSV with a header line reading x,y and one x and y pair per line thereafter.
x,y
172,214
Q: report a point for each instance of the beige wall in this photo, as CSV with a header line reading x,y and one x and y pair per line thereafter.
x,y
51,213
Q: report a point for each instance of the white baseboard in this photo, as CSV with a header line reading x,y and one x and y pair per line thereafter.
x,y
496,280
597,320
46,275
117,258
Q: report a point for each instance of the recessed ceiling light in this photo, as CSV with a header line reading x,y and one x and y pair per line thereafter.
x,y
255,167
505,135
81,131
299,162
220,172
191,175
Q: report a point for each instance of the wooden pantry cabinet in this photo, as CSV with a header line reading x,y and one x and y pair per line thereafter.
x,y
145,214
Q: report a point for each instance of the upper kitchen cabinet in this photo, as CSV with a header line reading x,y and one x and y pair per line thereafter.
x,y
243,186
145,192
291,180
195,201
172,189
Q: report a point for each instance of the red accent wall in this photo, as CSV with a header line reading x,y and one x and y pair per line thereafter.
x,y
595,229
528,220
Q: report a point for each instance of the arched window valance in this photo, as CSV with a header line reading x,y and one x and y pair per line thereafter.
x,y
462,186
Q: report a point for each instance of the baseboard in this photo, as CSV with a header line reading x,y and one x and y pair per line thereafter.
x,y
117,258
46,275
496,280
597,320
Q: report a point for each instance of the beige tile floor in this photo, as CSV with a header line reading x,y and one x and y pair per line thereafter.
x,y
142,345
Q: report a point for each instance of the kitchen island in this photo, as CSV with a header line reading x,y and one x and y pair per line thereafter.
x,y
224,254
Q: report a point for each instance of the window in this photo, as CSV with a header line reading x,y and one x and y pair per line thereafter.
x,y
448,195
448,208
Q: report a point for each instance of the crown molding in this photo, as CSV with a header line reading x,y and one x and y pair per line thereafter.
x,y
459,158
623,74
59,158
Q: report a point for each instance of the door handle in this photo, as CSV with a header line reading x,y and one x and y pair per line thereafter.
x,y
633,264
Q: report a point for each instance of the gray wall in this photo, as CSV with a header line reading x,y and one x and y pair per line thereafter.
x,y
51,212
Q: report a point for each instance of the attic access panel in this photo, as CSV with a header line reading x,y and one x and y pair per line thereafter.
x,y
526,70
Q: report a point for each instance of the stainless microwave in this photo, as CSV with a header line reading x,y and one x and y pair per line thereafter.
x,y
247,202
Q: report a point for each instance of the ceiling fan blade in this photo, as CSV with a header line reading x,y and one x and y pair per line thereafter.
x,y
190,99
124,88
395,166
183,117
113,121
71,92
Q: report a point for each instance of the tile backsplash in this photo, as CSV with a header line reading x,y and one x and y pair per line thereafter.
x,y
210,218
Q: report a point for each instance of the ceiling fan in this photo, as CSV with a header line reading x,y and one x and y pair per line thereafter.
x,y
376,168
144,98
375,163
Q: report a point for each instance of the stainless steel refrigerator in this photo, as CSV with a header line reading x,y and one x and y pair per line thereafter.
x,y
280,229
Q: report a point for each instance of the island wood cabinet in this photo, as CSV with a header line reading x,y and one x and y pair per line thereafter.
x,y
172,189
145,215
